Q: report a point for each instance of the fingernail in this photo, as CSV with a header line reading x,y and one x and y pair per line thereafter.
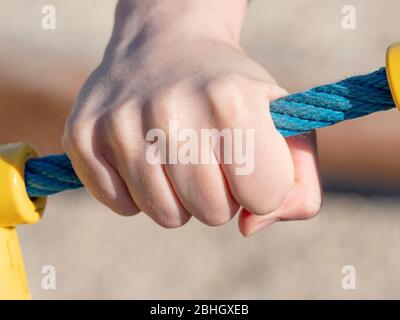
x,y
262,225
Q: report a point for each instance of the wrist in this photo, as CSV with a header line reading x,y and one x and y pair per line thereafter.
x,y
215,19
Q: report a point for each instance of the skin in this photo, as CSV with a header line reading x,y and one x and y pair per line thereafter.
x,y
181,60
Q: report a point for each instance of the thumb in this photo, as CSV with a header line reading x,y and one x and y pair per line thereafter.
x,y
304,199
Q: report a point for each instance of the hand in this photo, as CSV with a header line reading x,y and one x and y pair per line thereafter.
x,y
190,70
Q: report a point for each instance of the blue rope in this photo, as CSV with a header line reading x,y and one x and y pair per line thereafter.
x,y
295,114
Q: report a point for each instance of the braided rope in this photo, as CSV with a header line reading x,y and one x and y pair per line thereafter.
x,y
295,114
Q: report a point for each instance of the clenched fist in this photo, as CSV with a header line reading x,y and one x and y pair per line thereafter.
x,y
179,62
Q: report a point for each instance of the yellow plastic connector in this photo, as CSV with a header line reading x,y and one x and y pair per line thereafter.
x,y
393,71
15,205
15,208
13,281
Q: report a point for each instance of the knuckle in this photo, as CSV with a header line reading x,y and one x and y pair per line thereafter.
x,y
266,205
121,135
263,208
113,125
164,111
216,219
119,202
122,210
226,82
248,194
213,212
73,138
170,221
165,216
210,205
166,105
227,97
120,120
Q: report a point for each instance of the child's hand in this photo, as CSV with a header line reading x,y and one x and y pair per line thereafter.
x,y
179,60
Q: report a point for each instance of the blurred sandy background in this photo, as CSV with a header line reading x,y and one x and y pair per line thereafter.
x,y
100,255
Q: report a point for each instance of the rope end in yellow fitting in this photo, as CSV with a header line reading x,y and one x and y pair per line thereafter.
x,y
15,205
393,71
